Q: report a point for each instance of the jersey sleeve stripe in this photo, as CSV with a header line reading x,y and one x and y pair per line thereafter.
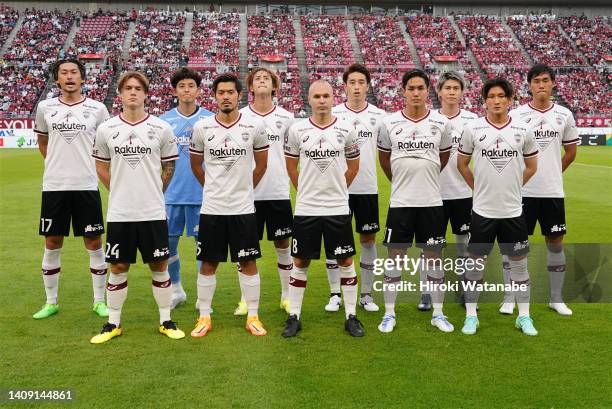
x,y
291,155
101,158
41,132
351,157
464,153
380,148
528,155
445,149
573,141
169,158
195,152
263,148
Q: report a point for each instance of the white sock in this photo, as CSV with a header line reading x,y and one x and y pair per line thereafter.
x,y
390,277
97,267
333,276
462,241
162,292
520,275
435,276
348,283
177,288
250,287
206,291
556,274
508,295
422,273
51,266
285,264
366,262
474,273
116,294
297,286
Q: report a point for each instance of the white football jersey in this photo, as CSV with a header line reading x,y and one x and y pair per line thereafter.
x,y
71,129
415,148
135,151
366,124
228,162
322,154
452,184
552,128
498,154
274,185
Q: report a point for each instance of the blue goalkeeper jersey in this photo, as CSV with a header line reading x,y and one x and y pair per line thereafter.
x,y
184,188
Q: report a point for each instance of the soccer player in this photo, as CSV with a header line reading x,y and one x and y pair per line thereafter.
x,y
272,201
131,150
414,146
66,128
502,146
184,194
227,144
363,192
543,196
456,194
326,149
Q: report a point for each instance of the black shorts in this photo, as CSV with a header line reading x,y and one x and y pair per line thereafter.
x,y
57,209
548,211
423,224
218,232
365,210
336,232
459,212
511,235
149,237
276,216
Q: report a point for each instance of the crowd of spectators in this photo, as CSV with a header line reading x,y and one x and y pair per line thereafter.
x,y
96,86
334,77
102,33
215,39
271,35
543,41
382,42
593,36
8,19
20,88
386,85
157,39
585,93
326,41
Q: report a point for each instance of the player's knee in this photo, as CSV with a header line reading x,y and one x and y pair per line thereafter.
x,y
554,243
518,270
345,262
54,242
248,267
93,243
208,268
281,244
119,268
301,263
159,265
367,240
475,271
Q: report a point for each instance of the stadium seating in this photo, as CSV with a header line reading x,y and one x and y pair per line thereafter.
x,y
386,84
543,41
20,88
8,19
103,33
271,35
592,36
334,77
381,42
326,42
585,92
215,40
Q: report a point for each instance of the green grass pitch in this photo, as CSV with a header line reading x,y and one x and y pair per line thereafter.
x,y
566,366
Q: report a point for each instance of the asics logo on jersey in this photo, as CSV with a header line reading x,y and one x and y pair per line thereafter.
x,y
305,139
399,131
350,281
115,135
54,113
482,138
210,138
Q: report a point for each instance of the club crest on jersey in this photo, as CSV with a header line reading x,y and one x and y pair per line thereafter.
x,y
372,121
340,138
86,114
499,154
151,134
279,125
69,127
559,120
434,130
245,136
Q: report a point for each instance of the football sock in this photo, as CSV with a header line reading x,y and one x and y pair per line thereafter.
x,y
285,264
348,283
474,275
556,273
297,286
392,276
174,262
116,294
97,267
435,276
250,287
366,262
462,241
508,295
206,291
422,273
162,292
519,275
51,263
333,276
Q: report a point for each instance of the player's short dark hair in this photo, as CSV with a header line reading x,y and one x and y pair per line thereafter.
x,y
56,67
275,80
539,69
450,76
185,73
412,74
360,68
138,76
498,82
227,78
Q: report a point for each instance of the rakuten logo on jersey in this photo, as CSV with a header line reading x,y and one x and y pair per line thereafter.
x,y
322,154
499,154
69,127
132,150
544,134
227,152
415,144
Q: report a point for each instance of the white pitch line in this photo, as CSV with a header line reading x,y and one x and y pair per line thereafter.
x,y
592,166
